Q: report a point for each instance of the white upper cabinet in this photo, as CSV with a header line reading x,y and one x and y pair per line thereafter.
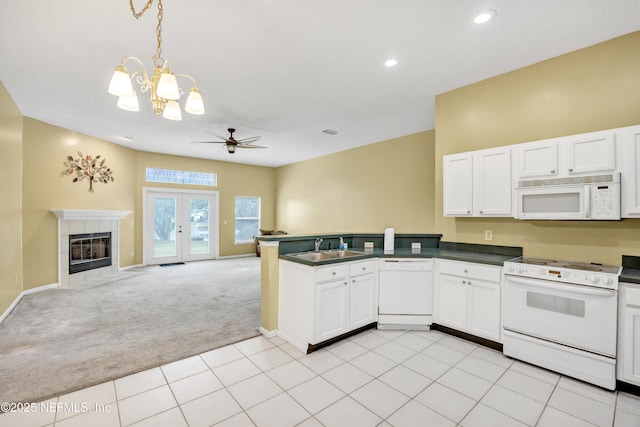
x,y
537,159
478,183
483,182
493,192
584,154
458,184
629,139
590,153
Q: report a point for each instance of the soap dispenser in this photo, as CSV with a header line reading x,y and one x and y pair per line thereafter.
x,y
341,246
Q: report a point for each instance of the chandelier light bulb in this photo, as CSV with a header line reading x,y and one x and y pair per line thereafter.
x,y
194,104
168,86
172,111
120,83
129,102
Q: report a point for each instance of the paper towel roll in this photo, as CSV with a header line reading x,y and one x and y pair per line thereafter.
x,y
389,236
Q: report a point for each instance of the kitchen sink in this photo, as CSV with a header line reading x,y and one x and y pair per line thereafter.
x,y
341,253
326,255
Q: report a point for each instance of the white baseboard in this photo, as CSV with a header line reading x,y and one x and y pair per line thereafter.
x,y
237,256
22,294
268,334
129,267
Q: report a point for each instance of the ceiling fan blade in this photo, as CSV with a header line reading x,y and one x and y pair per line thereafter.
x,y
250,146
208,142
248,140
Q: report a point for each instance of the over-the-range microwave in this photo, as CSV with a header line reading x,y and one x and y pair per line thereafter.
x,y
595,197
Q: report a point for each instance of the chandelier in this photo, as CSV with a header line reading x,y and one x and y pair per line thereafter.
x,y
162,86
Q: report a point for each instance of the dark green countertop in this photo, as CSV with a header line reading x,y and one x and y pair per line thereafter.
x,y
630,275
630,269
466,256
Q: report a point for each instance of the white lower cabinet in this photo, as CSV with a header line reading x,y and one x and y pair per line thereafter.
x,y
628,358
468,298
363,299
320,303
332,309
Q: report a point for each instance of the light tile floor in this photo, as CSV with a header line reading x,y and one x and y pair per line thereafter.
x,y
376,378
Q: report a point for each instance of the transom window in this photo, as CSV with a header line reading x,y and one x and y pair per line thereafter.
x,y
181,177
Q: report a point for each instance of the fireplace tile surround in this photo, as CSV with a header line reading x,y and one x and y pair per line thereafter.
x,y
75,221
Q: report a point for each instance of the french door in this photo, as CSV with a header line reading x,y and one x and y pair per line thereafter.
x,y
179,225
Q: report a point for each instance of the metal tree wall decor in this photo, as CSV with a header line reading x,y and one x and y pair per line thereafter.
x,y
88,167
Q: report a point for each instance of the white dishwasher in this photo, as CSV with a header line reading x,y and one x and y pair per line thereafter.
x,y
405,293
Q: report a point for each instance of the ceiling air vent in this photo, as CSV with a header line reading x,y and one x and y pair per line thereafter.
x,y
330,132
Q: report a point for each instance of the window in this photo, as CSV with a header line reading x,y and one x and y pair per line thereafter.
x,y
247,218
181,177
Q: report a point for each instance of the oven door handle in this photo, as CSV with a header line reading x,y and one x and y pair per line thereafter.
x,y
564,287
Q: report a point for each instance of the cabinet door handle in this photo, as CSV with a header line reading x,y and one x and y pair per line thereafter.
x,y
553,171
464,282
570,169
353,280
333,273
346,283
469,282
468,212
466,271
480,211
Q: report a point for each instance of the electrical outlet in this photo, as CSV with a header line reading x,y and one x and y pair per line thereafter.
x,y
488,235
368,245
132,254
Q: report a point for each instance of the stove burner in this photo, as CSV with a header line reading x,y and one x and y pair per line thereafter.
x,y
586,267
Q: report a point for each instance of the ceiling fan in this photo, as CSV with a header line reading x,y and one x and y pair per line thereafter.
x,y
232,143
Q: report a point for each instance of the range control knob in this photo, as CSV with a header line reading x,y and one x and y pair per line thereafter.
x,y
594,278
521,269
607,280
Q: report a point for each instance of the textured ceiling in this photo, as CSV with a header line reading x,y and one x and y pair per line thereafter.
x,y
284,69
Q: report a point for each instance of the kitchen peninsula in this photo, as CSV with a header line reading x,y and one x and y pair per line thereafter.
x,y
280,249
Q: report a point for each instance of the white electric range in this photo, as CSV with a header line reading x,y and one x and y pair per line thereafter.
x,y
562,315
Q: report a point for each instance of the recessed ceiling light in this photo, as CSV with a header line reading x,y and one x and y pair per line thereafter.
x,y
484,16
390,63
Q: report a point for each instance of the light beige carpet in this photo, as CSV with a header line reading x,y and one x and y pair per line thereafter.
x,y
62,340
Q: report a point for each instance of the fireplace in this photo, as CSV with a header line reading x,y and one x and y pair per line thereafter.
x,y
88,245
88,251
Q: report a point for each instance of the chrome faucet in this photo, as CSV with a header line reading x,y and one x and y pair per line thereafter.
x,y
318,241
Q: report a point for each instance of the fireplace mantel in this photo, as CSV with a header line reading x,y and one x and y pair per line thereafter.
x,y
89,214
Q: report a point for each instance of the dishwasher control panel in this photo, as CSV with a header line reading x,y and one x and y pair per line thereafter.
x,y
405,264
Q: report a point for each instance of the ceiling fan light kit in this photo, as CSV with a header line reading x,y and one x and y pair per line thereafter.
x,y
162,86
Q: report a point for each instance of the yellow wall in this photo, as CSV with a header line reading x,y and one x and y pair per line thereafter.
x,y
233,180
11,196
45,147
365,189
586,90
